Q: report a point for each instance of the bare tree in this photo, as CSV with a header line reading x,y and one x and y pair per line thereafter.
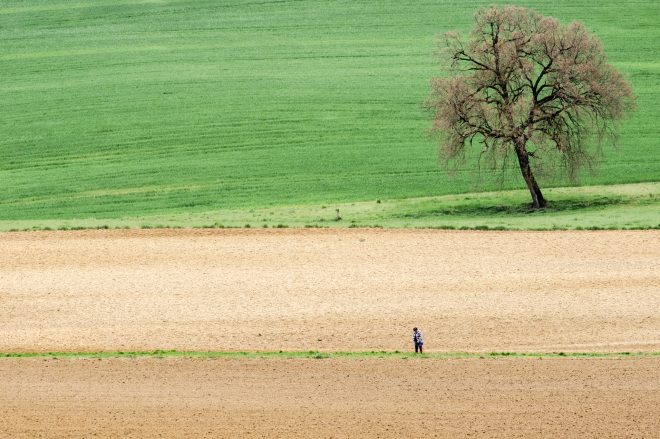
x,y
527,84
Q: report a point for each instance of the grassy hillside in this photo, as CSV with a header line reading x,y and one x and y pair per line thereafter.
x,y
116,109
628,206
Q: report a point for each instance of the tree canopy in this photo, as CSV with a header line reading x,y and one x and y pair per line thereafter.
x,y
524,83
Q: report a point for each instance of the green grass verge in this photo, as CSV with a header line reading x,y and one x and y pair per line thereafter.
x,y
321,354
635,206
144,109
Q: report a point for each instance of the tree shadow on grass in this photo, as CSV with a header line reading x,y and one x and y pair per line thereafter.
x,y
475,209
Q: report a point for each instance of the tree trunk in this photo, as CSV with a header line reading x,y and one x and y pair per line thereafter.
x,y
523,160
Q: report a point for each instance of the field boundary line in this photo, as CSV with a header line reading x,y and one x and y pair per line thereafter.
x,y
158,353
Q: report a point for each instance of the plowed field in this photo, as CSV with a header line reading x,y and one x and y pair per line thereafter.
x,y
332,290
329,290
519,398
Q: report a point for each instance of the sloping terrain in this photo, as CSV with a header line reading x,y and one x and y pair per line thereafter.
x,y
333,291
127,108
329,290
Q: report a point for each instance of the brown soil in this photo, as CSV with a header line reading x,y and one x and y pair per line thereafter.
x,y
329,290
330,398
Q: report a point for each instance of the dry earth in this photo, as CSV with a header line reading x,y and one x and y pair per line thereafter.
x,y
150,397
329,290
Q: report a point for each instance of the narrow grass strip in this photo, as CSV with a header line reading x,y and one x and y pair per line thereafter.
x,y
321,354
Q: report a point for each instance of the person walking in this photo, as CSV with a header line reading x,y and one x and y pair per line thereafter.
x,y
418,340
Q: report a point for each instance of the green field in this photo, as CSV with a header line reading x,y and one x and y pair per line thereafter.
x,y
147,113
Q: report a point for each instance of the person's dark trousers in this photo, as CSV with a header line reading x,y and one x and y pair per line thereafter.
x,y
419,348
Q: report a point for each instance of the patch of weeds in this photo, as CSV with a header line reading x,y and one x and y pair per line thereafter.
x,y
163,351
281,226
